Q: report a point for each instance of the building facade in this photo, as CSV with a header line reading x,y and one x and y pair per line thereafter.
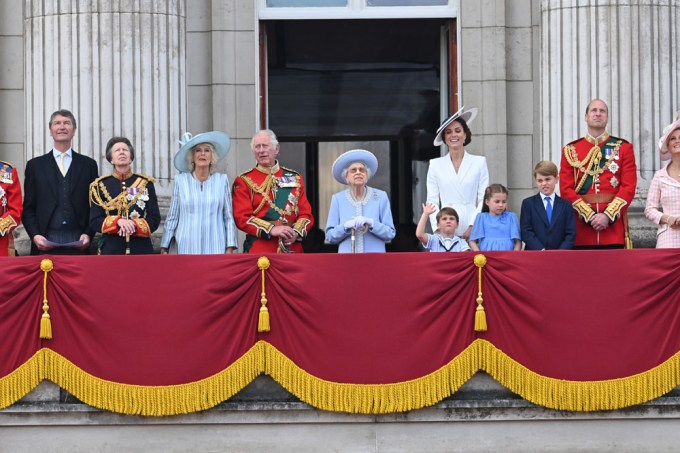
x,y
331,75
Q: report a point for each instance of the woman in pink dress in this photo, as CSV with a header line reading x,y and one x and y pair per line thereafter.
x,y
664,191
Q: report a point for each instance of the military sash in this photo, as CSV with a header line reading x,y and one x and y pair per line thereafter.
x,y
599,159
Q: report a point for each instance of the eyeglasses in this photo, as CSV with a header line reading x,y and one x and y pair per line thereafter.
x,y
357,170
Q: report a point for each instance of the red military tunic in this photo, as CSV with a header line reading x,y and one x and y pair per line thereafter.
x,y
598,175
11,206
266,197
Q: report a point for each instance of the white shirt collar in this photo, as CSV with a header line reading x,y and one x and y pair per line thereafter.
x,y
55,153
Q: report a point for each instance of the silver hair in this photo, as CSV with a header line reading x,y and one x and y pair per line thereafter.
x,y
346,170
272,137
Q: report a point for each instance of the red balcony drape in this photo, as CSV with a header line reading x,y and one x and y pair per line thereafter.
x,y
373,333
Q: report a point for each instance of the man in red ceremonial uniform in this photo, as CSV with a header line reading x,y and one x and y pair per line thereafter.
x,y
598,177
269,202
10,207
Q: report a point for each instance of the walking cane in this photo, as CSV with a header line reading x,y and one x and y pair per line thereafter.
x,y
353,239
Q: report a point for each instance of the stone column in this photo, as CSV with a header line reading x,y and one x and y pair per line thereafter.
x,y
119,66
624,52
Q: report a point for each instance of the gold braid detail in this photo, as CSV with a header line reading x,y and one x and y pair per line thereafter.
x,y
263,190
592,160
590,166
117,204
269,185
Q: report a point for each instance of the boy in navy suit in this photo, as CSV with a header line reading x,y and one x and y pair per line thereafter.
x,y
546,220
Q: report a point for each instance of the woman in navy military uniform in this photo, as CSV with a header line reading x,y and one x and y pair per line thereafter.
x,y
124,208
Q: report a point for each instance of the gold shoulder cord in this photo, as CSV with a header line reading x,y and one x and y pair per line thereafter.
x,y
100,196
97,188
263,190
590,162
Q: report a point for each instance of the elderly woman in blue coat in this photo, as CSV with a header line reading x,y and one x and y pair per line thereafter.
x,y
360,218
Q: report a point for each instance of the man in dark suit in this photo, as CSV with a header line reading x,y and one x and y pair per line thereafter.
x,y
546,220
56,190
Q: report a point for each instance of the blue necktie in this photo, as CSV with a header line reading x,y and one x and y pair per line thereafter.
x,y
548,209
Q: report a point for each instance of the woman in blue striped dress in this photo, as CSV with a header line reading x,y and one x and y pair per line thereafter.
x,y
200,217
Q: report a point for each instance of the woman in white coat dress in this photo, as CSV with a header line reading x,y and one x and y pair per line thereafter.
x,y
457,179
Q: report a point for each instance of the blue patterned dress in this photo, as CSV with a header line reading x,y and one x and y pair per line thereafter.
x,y
200,217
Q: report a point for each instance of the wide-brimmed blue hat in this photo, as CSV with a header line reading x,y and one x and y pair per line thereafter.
x,y
348,158
466,115
219,140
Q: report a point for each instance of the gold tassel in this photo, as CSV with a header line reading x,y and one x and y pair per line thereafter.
x,y
480,319
45,327
263,319
45,322
480,314
628,241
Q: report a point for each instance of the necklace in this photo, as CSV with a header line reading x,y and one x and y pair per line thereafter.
x,y
358,199
200,180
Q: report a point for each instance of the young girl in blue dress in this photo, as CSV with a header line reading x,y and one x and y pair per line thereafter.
x,y
495,228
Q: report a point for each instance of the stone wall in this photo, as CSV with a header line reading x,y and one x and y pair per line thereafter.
x,y
482,416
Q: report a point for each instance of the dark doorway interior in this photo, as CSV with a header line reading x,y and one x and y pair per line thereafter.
x,y
355,81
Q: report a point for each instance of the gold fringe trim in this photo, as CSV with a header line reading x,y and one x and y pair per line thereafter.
x,y
154,400
371,398
342,397
579,396
22,380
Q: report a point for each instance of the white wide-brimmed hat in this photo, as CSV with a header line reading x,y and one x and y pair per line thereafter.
x,y
219,140
348,158
466,115
663,146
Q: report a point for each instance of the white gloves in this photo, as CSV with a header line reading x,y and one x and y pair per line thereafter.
x,y
358,223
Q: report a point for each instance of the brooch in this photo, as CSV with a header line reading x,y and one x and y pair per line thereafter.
x,y
613,167
614,182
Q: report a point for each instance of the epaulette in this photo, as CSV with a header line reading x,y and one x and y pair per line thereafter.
x,y
246,172
289,170
148,178
101,178
575,141
623,140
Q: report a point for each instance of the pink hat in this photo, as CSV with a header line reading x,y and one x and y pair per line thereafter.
x,y
663,146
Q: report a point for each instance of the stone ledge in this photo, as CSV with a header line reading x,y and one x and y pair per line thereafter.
x,y
265,401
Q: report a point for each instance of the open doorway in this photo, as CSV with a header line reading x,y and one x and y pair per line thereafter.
x,y
333,85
